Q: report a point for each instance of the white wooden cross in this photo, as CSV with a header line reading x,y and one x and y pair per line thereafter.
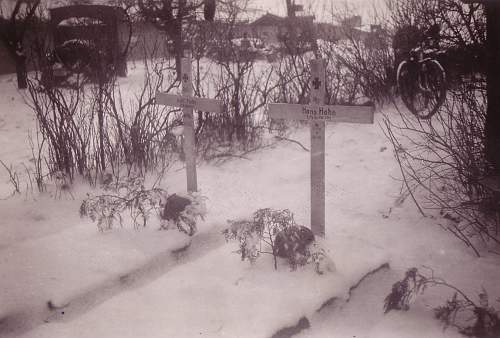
x,y
188,102
318,113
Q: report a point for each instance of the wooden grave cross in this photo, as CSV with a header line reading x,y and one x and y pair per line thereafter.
x,y
318,113
188,102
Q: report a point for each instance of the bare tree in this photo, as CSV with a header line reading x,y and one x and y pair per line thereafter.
x,y
170,16
13,27
462,31
358,62
235,74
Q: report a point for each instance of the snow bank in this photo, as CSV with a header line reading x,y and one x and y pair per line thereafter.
x,y
219,296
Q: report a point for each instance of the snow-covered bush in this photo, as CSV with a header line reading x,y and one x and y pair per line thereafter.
x,y
456,312
124,195
183,212
275,232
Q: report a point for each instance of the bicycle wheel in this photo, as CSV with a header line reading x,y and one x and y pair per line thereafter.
x,y
432,87
422,87
407,82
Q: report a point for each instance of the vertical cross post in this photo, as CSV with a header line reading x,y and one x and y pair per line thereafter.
x,y
318,150
317,113
188,102
189,140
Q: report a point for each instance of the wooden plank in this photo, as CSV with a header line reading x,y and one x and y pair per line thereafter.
x,y
328,113
189,140
317,131
184,101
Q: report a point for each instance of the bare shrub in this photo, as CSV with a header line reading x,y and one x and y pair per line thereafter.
x,y
238,78
38,153
443,160
293,77
275,232
139,130
252,234
461,24
461,36
123,195
94,124
360,62
13,178
457,312
66,123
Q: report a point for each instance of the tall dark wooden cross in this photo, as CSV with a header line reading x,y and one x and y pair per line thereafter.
x,y
188,102
318,113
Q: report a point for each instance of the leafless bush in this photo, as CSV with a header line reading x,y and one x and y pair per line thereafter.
x,y
124,195
462,32
96,126
236,77
139,130
461,24
457,312
443,158
293,77
13,178
359,62
244,88
274,232
66,123
37,151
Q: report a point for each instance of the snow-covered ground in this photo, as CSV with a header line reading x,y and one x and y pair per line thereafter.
x,y
140,283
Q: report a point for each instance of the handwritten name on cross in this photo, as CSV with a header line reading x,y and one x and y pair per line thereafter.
x,y
188,102
317,113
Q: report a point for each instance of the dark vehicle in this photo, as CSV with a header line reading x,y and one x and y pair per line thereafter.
x,y
88,40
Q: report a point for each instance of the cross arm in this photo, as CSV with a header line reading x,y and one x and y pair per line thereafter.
x,y
197,103
327,113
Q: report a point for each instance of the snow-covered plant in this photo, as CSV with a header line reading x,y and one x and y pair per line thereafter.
x,y
486,322
247,235
275,232
404,291
319,257
258,236
456,312
124,195
186,217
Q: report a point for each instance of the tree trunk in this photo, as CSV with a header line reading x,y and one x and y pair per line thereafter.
x,y
100,121
22,82
178,47
237,113
492,127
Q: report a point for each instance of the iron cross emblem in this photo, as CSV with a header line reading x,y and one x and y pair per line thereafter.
x,y
316,83
185,78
